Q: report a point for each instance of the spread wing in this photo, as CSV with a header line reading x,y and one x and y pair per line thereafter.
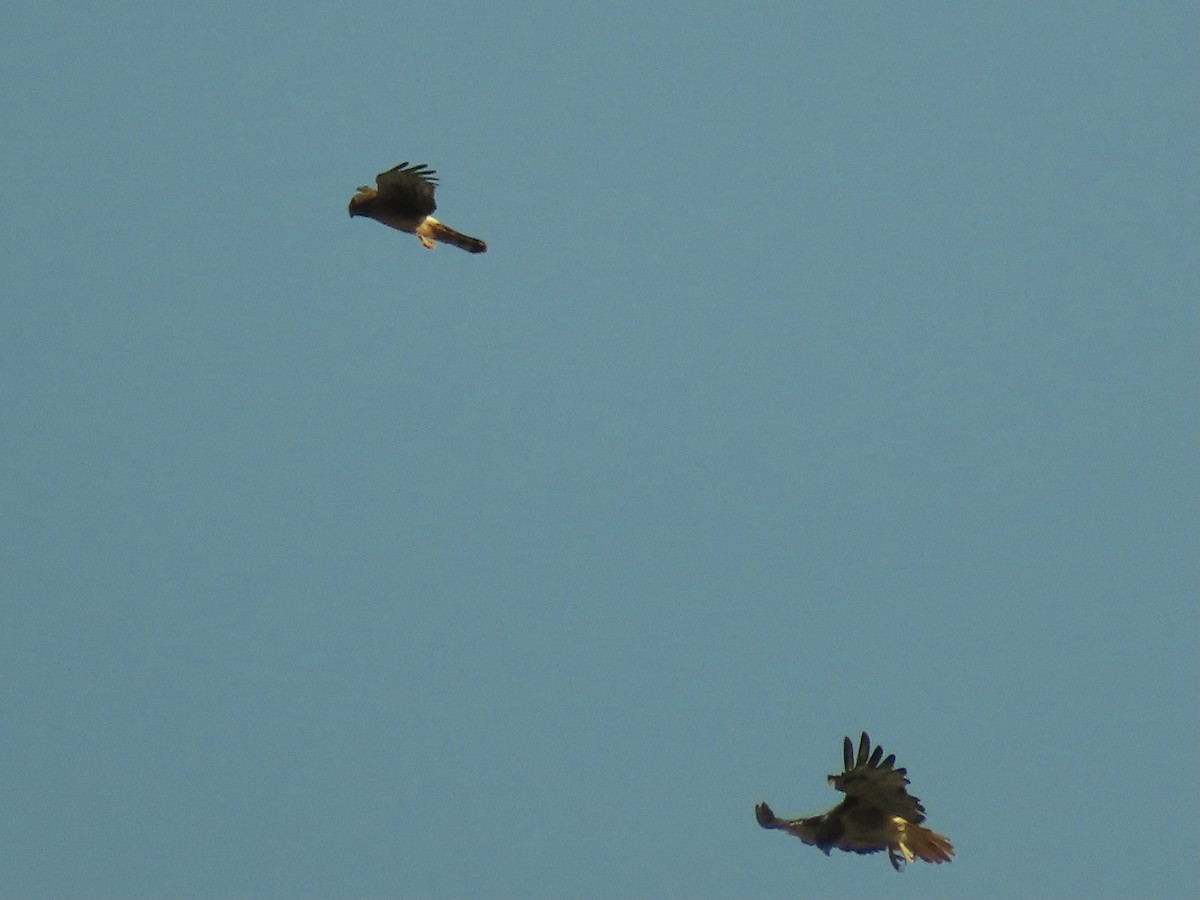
x,y
875,782
408,190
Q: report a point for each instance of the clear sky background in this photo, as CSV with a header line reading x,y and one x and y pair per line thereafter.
x,y
832,367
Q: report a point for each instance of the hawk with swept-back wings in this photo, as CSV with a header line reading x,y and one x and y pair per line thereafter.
x,y
403,199
877,814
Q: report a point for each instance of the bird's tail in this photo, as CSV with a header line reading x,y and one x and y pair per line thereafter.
x,y
918,842
435,230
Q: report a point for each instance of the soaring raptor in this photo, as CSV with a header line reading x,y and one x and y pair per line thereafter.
x,y
877,814
403,199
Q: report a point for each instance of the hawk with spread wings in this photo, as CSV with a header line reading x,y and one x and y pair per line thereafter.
x,y
877,814
403,199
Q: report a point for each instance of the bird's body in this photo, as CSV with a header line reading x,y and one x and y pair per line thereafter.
x,y
877,814
403,199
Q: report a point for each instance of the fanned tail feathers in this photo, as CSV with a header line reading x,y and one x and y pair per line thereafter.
x,y
919,842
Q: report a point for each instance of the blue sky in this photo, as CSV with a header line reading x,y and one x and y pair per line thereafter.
x,y
832,367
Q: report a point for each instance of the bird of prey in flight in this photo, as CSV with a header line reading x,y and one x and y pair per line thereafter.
x,y
877,814
403,199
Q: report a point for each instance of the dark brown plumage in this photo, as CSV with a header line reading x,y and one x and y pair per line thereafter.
x,y
403,199
877,814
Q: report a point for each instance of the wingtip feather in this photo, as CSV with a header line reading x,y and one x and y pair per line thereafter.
x,y
864,748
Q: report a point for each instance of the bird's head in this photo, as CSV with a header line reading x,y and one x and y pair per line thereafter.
x,y
359,200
